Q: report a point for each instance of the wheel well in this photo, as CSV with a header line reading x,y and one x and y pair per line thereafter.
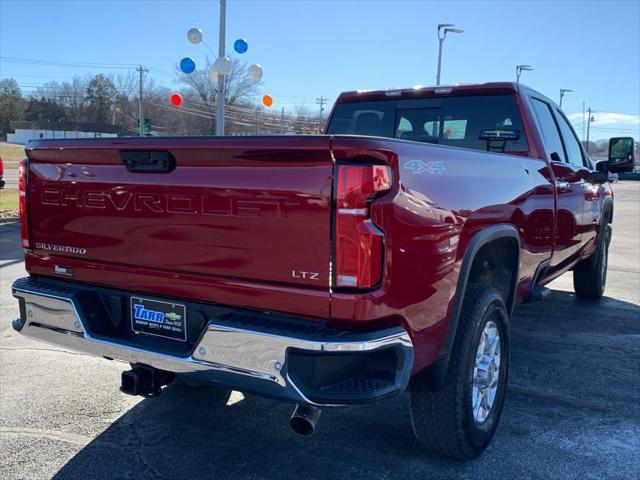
x,y
491,258
496,265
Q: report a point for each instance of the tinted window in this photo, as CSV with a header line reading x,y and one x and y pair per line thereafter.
x,y
574,152
550,134
364,118
455,121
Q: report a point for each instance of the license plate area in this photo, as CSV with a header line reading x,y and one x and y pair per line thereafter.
x,y
158,318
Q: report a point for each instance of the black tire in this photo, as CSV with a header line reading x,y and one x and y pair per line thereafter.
x,y
444,421
590,275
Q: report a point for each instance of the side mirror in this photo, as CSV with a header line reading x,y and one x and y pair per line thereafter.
x,y
601,174
621,151
621,148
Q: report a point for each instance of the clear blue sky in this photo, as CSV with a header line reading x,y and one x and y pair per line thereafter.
x,y
313,48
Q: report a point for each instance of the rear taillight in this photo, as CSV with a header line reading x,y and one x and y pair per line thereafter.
x,y
358,242
22,203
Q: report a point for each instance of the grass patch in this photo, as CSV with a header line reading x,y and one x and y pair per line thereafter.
x,y
11,154
9,200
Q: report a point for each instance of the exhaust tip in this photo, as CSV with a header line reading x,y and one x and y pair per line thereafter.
x,y
304,419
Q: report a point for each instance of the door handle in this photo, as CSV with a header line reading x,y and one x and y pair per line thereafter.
x,y
562,185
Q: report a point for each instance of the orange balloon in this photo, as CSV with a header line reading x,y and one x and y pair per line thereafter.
x,y
267,100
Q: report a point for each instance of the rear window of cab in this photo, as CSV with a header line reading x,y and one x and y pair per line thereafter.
x,y
455,121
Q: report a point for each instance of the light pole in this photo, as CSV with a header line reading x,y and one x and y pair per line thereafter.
x,y
520,69
562,93
221,67
443,29
221,77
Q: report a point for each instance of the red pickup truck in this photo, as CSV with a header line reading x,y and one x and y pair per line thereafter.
x,y
385,255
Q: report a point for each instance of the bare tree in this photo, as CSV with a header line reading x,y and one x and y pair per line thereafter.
x,y
301,112
239,88
70,95
126,84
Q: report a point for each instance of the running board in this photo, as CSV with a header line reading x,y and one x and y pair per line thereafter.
x,y
538,294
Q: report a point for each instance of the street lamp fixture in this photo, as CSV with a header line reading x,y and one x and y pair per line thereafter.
x,y
563,91
443,29
520,69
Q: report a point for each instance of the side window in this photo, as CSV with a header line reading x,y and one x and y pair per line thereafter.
x,y
431,127
550,133
574,152
404,126
454,129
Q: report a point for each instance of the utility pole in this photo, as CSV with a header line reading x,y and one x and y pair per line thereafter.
x,y
282,121
221,78
141,70
589,120
259,119
321,101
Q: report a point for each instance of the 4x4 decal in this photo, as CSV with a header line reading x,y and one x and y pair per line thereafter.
x,y
418,167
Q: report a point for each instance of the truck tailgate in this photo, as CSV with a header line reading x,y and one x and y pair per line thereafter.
x,y
239,208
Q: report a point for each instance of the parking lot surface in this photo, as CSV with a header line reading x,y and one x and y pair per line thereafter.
x,y
11,177
572,409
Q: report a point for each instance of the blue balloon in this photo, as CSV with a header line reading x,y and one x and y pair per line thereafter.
x,y
240,45
187,65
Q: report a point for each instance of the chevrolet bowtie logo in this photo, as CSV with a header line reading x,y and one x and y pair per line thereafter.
x,y
173,316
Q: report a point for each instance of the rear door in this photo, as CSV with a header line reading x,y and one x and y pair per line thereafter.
x,y
255,209
570,174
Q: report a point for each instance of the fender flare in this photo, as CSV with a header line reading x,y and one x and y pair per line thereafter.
x,y
607,206
432,377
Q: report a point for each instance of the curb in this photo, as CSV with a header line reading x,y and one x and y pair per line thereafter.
x,y
9,220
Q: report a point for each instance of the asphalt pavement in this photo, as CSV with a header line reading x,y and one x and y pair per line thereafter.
x,y
572,409
10,177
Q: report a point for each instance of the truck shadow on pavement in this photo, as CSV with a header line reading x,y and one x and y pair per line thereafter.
x,y
573,386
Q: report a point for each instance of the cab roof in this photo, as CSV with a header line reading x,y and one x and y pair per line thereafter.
x,y
419,91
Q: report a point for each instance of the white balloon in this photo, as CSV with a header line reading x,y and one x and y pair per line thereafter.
x,y
222,65
255,72
194,35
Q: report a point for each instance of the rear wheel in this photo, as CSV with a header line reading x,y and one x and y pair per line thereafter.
x,y
460,419
590,276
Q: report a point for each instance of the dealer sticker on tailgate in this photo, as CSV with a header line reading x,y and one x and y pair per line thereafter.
x,y
153,317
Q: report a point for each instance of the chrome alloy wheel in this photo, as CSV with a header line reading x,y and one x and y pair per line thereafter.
x,y
486,372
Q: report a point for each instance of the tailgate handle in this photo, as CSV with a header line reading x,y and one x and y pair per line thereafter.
x,y
148,161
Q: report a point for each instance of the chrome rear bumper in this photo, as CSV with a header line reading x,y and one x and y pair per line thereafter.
x,y
245,357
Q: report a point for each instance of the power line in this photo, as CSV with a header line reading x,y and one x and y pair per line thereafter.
x,y
58,63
